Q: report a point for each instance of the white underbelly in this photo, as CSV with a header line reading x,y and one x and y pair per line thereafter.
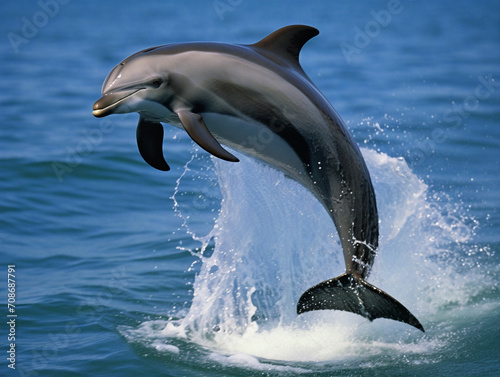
x,y
257,140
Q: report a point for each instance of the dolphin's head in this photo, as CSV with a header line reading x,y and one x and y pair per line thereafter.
x,y
138,84
154,84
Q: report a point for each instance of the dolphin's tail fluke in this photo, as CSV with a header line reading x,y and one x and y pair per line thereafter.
x,y
348,293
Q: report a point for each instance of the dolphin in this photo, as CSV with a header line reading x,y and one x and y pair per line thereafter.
x,y
258,100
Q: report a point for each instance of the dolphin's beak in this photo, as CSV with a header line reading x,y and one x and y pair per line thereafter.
x,y
109,102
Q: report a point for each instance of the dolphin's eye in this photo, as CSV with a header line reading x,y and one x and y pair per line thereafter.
x,y
156,82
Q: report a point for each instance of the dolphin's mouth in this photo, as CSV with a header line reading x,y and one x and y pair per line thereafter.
x,y
107,104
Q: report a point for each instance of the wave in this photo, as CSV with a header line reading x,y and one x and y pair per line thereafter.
x,y
272,240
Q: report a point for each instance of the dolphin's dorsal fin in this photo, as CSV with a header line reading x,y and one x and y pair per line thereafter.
x,y
284,45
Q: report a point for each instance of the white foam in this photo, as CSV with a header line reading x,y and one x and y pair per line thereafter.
x,y
251,362
164,347
273,240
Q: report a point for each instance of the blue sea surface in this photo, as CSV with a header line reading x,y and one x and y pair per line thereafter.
x,y
123,270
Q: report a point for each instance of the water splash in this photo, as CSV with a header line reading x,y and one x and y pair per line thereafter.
x,y
272,240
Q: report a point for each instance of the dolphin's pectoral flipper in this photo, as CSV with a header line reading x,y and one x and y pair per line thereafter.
x,y
150,140
197,129
347,293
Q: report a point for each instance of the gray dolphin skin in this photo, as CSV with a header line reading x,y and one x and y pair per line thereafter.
x,y
258,100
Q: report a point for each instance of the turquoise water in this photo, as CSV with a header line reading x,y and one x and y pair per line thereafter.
x,y
122,270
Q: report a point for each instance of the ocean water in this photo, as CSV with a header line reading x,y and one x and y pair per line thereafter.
x,y
122,270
